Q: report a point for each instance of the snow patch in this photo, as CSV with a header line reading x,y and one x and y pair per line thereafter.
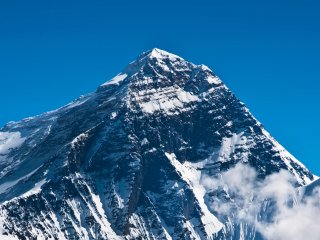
x,y
144,141
36,189
190,226
77,102
161,54
96,208
166,100
192,176
228,146
113,115
2,230
79,138
116,80
4,187
213,80
204,68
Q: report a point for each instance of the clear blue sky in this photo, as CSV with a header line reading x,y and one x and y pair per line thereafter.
x,y
267,52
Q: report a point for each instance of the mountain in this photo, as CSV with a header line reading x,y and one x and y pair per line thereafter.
x,y
126,161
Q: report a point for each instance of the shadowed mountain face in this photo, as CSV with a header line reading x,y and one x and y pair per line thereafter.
x,y
126,161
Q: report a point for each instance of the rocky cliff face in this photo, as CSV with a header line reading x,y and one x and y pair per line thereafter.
x,y
126,161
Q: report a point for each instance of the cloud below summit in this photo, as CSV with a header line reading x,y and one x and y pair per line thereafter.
x,y
273,206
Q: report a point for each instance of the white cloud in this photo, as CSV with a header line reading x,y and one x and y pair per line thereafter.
x,y
246,197
10,140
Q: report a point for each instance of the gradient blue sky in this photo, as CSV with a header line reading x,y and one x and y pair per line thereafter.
x,y
267,52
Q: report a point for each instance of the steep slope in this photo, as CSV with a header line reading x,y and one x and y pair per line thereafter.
x,y
126,161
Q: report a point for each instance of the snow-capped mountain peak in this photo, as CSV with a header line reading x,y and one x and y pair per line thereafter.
x,y
154,59
161,54
126,161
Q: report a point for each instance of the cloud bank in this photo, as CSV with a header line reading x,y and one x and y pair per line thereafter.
x,y
274,206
